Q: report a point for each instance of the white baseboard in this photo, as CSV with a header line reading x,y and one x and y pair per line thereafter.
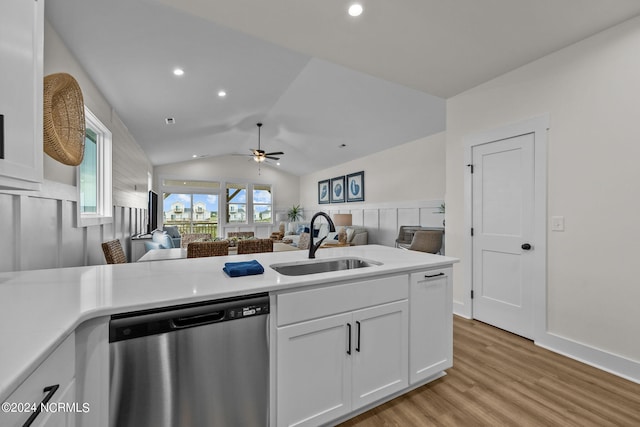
x,y
608,362
461,310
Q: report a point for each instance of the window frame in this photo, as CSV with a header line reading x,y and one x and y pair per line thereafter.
x,y
253,204
227,204
222,199
104,174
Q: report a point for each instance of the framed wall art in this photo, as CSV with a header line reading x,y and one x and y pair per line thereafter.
x,y
324,192
337,190
355,187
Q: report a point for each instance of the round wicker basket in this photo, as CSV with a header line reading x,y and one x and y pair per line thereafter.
x,y
63,119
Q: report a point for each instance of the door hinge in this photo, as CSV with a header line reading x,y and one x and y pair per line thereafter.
x,y
472,231
471,293
470,165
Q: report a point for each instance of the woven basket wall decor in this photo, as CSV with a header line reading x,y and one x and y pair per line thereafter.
x,y
63,119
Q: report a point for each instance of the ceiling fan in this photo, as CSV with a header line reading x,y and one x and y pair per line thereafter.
x,y
260,155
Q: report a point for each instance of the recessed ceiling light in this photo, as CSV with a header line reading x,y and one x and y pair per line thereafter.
x,y
355,9
178,71
278,163
222,94
194,156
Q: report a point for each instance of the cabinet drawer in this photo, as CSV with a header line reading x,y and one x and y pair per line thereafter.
x,y
57,369
309,304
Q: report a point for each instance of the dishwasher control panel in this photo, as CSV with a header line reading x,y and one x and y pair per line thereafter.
x,y
247,310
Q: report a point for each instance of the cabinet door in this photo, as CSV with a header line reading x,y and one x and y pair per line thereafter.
x,y
57,369
60,418
380,356
21,32
431,324
313,371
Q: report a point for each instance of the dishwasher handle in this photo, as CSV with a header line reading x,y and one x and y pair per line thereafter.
x,y
198,319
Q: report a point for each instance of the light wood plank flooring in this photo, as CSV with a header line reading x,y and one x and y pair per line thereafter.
x,y
501,379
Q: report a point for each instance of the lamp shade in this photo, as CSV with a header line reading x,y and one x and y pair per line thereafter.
x,y
342,219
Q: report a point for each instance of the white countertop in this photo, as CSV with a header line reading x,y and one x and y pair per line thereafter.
x,y
39,308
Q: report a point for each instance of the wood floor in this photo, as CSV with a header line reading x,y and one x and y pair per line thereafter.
x,y
500,379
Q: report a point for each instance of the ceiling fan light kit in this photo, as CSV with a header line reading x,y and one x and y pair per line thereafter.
x,y
259,155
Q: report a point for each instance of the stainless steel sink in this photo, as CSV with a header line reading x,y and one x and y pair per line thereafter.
x,y
321,266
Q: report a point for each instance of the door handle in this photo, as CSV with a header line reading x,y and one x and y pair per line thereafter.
x,y
349,333
526,246
358,339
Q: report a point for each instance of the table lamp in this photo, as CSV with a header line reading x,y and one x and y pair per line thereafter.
x,y
343,220
282,218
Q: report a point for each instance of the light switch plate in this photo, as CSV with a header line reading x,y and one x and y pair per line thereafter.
x,y
557,223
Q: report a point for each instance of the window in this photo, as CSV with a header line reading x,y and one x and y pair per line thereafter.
x,y
195,211
262,203
94,174
194,205
236,203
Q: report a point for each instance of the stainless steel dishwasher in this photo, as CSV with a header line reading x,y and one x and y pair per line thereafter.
x,y
196,365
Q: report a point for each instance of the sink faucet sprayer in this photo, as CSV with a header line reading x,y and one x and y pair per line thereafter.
x,y
313,248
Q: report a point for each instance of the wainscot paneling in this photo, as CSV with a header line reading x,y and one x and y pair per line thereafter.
x,y
384,220
39,230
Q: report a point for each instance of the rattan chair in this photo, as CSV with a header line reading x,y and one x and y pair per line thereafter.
x,y
187,238
254,246
426,241
113,252
240,234
206,249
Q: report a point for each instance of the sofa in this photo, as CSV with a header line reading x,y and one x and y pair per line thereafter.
x,y
160,240
356,235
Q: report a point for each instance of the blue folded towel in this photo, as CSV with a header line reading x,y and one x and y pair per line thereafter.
x,y
243,268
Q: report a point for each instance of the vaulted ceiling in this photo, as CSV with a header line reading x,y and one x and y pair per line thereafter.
x,y
328,87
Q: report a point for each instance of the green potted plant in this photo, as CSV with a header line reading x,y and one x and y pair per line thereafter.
x,y
295,213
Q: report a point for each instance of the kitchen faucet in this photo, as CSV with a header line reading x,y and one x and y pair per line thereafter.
x,y
313,248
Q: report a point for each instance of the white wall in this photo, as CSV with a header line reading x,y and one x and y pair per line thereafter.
x,y
39,228
130,163
591,92
404,185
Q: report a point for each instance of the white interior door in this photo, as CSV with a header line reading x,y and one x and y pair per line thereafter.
x,y
503,194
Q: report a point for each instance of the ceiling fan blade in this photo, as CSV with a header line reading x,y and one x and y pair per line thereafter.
x,y
272,158
275,153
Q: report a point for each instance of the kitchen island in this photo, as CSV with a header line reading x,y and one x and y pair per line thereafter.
x,y
46,312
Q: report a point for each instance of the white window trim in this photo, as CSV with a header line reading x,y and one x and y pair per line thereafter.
x,y
270,223
222,200
104,213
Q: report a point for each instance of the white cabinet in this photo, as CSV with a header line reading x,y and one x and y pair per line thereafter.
x,y
54,378
430,323
137,247
380,352
21,151
330,366
314,371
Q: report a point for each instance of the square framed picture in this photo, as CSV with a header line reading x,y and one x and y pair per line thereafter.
x,y
324,192
355,187
337,189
